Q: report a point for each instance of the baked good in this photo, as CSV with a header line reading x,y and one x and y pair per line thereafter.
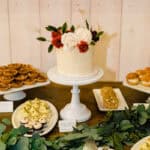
x,y
75,64
35,114
17,75
132,78
145,80
141,73
141,76
74,49
145,145
110,100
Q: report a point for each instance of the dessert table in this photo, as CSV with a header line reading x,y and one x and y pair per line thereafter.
x,y
60,95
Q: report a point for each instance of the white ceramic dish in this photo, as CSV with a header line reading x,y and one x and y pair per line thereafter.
x,y
146,105
137,145
17,115
24,87
138,87
99,100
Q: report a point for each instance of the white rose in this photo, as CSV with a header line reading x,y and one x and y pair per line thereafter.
x,y
69,40
83,34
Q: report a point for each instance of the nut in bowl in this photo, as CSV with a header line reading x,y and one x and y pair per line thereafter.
x,y
39,116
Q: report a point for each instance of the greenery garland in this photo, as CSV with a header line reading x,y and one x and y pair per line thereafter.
x,y
119,128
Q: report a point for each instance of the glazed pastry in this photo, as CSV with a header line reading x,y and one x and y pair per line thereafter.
x,y
4,87
141,73
21,77
37,126
132,78
16,84
110,100
145,80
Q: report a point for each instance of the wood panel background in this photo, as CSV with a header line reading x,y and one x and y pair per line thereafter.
x,y
123,48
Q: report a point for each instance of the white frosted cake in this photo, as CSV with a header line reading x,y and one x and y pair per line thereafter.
x,y
75,64
73,49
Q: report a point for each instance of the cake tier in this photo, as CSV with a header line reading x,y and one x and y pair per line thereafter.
x,y
75,64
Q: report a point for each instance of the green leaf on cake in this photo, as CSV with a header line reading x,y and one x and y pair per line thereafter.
x,y
72,28
92,43
51,28
41,39
87,24
50,48
64,27
100,33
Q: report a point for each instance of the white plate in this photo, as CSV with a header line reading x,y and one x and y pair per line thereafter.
x,y
17,115
25,87
146,105
138,87
99,100
137,145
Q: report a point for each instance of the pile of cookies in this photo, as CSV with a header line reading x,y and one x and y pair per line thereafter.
x,y
17,75
141,76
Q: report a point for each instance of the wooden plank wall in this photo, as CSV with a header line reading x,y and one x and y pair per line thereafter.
x,y
124,47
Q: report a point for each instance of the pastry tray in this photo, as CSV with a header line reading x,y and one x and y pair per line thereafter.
x,y
99,99
138,87
24,87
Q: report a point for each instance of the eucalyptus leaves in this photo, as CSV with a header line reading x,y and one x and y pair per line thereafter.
x,y
118,129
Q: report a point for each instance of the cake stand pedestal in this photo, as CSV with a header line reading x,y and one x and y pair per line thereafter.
x,y
75,110
15,96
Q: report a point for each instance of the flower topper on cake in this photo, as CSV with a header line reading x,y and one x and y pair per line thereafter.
x,y
69,38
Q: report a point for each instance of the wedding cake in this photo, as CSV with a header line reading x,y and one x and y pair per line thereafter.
x,y
73,49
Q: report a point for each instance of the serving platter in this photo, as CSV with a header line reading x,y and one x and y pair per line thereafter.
x,y
15,94
25,87
17,116
99,99
138,87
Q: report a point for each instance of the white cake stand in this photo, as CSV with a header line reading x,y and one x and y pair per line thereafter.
x,y
74,110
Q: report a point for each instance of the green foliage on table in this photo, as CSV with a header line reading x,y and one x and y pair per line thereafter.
x,y
119,128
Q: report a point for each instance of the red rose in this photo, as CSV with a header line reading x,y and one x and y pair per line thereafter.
x,y
57,42
55,34
83,46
